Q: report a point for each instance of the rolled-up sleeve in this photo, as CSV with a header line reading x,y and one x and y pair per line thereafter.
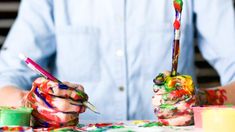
x,y
215,22
31,34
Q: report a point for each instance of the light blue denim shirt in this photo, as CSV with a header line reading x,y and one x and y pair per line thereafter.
x,y
116,47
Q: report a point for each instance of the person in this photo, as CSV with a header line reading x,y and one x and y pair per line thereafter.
x,y
114,49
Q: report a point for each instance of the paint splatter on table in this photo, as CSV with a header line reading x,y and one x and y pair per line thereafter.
x,y
134,126
125,126
15,129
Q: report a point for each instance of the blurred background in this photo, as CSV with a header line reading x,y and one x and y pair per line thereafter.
x,y
206,75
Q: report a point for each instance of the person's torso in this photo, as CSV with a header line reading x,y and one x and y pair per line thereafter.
x,y
116,47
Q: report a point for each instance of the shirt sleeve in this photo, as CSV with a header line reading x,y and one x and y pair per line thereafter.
x,y
215,23
32,34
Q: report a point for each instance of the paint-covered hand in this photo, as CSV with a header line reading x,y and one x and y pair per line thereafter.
x,y
213,96
55,104
220,95
173,99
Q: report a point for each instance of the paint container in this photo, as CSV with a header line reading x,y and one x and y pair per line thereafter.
x,y
10,116
198,116
218,120
198,111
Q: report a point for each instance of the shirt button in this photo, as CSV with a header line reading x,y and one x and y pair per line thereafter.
x,y
119,53
121,88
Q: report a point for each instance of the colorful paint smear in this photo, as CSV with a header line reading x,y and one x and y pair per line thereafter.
x,y
212,96
49,100
173,99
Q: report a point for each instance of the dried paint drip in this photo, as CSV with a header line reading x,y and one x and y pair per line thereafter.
x,y
173,99
54,104
178,5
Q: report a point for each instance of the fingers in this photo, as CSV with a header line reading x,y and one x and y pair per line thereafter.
x,y
169,112
83,109
66,93
55,116
161,77
58,119
60,113
56,104
178,120
173,99
66,105
73,91
72,85
167,73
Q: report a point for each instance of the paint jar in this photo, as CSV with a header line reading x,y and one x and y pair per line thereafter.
x,y
198,121
218,119
197,111
10,116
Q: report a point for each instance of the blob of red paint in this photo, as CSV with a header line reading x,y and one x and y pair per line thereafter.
x,y
163,121
179,93
216,97
103,124
177,24
178,7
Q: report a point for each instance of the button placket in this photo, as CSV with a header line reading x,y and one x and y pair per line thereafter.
x,y
120,62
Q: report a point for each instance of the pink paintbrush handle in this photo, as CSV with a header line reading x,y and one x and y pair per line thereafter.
x,y
34,66
40,70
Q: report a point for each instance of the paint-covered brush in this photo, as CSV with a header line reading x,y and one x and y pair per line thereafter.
x,y
178,5
38,69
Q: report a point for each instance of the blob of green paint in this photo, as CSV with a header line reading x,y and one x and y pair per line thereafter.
x,y
229,105
151,124
178,4
117,127
102,129
167,106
